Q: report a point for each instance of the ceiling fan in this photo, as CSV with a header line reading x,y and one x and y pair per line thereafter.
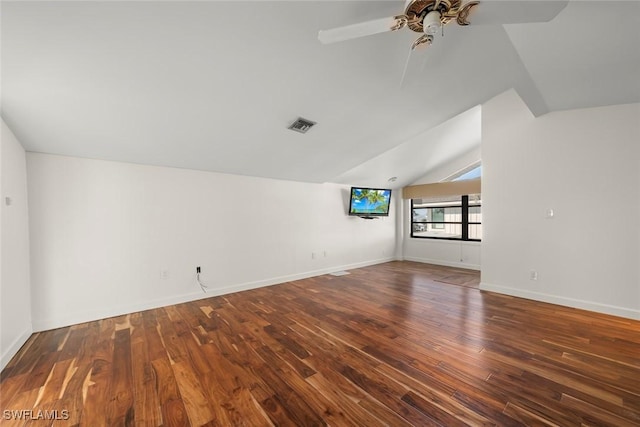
x,y
428,17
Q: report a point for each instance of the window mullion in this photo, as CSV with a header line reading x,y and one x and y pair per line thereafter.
x,y
465,217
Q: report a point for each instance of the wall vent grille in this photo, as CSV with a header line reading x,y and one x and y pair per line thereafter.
x,y
302,125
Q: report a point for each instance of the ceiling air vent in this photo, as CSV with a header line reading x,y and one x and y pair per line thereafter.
x,y
301,125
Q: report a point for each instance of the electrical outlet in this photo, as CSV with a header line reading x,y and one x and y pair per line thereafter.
x,y
198,269
533,275
164,274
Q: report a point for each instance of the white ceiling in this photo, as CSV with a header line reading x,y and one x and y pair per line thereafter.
x,y
594,54
438,146
213,85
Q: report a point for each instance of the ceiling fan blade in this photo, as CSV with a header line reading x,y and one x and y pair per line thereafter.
x,y
515,12
415,60
360,30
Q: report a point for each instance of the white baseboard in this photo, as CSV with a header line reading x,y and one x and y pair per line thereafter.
x,y
559,300
445,263
81,317
12,350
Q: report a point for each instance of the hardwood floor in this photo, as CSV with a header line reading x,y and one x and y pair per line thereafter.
x,y
393,344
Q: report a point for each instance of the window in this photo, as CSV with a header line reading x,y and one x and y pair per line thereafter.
x,y
456,218
474,173
437,215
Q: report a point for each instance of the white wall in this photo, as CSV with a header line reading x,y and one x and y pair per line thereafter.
x,y
585,165
451,253
15,300
103,232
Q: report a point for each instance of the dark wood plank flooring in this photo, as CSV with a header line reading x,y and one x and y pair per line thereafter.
x,y
394,344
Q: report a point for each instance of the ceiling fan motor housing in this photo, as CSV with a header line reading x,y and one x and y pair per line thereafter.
x,y
421,16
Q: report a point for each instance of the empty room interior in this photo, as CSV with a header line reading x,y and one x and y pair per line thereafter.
x,y
301,213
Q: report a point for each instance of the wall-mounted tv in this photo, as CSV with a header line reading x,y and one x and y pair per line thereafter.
x,y
369,202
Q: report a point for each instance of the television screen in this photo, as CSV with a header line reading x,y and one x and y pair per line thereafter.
x,y
369,202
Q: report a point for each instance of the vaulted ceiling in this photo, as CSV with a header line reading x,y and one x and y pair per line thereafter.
x,y
213,85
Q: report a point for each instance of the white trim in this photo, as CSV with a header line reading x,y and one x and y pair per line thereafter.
x,y
445,263
81,317
14,348
564,301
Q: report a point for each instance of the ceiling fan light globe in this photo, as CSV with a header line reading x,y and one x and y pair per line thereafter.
x,y
431,23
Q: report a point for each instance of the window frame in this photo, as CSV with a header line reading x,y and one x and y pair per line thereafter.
x,y
464,205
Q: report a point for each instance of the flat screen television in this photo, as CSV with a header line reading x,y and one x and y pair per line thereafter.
x,y
369,202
